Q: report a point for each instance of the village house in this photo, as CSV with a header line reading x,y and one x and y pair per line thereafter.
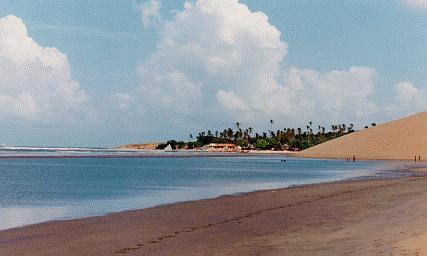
x,y
221,147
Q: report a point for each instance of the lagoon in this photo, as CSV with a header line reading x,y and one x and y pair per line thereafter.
x,y
34,190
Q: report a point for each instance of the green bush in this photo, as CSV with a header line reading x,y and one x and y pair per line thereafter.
x,y
261,143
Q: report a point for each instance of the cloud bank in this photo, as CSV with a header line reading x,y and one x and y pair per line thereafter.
x,y
35,81
218,60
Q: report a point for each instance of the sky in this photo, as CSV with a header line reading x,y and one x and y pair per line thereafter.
x,y
104,73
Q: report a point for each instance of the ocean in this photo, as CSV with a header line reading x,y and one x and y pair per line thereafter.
x,y
34,190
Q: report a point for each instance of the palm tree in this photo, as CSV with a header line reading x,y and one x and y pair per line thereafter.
x,y
250,130
230,133
238,125
350,128
246,134
191,136
271,123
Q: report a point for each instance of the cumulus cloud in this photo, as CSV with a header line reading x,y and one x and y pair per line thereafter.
x,y
231,101
150,12
418,4
221,58
337,94
409,97
35,81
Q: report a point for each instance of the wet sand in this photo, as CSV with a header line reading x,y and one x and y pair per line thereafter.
x,y
365,217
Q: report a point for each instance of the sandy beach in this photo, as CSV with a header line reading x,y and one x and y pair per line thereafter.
x,y
384,216
213,128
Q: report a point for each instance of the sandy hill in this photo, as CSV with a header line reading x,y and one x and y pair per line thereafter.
x,y
400,139
141,146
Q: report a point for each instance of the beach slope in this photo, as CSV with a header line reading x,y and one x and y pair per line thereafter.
x,y
401,139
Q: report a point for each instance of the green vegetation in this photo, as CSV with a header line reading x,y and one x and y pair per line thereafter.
x,y
285,139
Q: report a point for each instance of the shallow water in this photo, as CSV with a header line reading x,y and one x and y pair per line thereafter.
x,y
37,190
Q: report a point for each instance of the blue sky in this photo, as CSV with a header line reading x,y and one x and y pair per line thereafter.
x,y
136,91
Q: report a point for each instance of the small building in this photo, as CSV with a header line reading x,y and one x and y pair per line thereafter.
x,y
286,147
220,147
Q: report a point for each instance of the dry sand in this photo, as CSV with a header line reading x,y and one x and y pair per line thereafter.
x,y
401,139
416,245
371,217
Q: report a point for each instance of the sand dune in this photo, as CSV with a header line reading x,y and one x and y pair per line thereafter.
x,y
401,139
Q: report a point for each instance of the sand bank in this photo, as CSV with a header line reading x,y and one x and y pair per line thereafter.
x,y
372,217
401,139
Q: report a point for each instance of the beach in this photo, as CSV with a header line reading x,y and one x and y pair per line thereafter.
x,y
382,216
213,128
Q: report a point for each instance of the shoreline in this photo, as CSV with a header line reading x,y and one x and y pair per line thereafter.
x,y
385,172
190,154
141,153
398,174
148,154
149,222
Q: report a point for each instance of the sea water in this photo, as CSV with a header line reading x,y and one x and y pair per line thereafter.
x,y
34,190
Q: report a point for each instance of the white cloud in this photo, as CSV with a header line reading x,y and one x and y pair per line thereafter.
x,y
231,101
150,12
122,96
336,95
418,4
121,100
35,82
409,97
312,95
219,57
169,91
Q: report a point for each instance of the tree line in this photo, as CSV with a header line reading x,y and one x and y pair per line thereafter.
x,y
294,139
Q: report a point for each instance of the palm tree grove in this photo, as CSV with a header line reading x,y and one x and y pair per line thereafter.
x,y
293,139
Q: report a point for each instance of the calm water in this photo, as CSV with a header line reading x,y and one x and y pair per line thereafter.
x,y
37,190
